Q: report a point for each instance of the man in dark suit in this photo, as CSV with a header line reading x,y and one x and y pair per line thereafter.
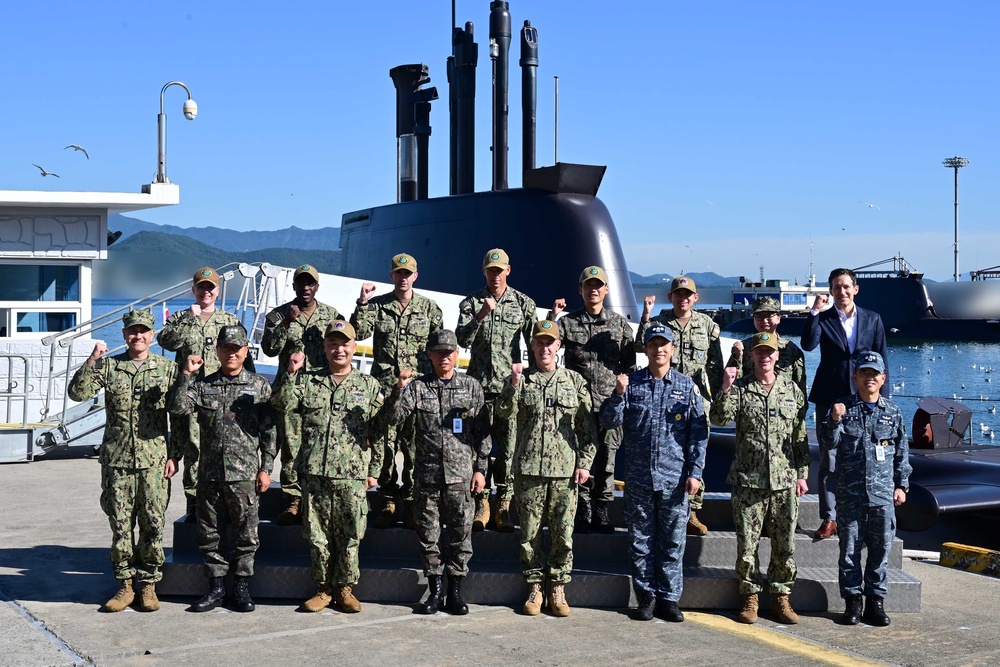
x,y
838,332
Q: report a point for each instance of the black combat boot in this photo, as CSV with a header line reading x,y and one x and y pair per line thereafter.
x,y
852,612
582,523
668,610
190,509
456,605
242,602
435,591
874,613
215,595
599,520
644,612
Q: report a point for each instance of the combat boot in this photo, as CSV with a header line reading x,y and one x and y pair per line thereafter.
x,y
695,526
852,611
409,521
782,610
190,509
582,523
533,606
668,610
456,605
292,514
557,601
644,611
122,599
502,521
599,521
748,613
320,601
386,516
874,612
345,599
242,602
212,599
434,593
147,596
482,518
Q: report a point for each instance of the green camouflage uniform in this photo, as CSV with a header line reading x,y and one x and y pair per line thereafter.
x,y
551,416
134,454
400,343
772,452
238,441
341,427
186,334
452,430
495,345
305,334
791,361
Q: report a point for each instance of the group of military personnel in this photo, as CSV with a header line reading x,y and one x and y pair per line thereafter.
x,y
545,436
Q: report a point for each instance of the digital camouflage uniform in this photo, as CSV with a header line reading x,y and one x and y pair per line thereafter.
x,y
665,435
341,426
866,515
134,455
554,436
494,346
237,425
452,429
791,362
304,334
400,342
186,334
772,452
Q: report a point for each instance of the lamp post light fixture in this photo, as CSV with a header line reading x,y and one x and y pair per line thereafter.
x,y
190,111
955,163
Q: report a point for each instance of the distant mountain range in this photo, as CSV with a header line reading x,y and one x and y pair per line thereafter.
x,y
325,238
707,279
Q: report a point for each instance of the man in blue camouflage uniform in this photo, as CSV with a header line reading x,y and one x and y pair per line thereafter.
x,y
495,325
664,441
873,463
238,446
768,473
599,345
453,444
137,461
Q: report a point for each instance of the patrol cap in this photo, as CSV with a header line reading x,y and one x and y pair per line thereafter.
x,y
545,328
340,327
765,304
233,334
306,270
205,274
593,272
442,339
496,258
657,330
682,282
134,317
869,359
764,340
403,261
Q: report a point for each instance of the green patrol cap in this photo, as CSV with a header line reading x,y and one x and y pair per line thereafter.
x,y
496,258
442,339
140,317
306,270
765,304
545,328
205,274
682,282
403,261
233,334
764,340
595,273
340,327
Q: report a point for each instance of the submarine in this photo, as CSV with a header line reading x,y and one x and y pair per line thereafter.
x,y
552,227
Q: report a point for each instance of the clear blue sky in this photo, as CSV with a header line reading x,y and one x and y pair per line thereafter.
x,y
733,132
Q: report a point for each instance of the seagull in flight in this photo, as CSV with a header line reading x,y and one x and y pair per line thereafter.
x,y
45,173
870,205
79,148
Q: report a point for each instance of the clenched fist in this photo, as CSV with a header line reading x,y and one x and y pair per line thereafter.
x,y
193,364
296,362
99,351
728,378
738,349
195,310
820,302
647,306
489,305
405,376
837,411
516,371
558,306
366,291
292,314
621,384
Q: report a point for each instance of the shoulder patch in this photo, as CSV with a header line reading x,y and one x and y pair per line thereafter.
x,y
274,317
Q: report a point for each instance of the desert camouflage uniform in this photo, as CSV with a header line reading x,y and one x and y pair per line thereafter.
x,y
400,343
494,346
772,452
236,421
791,361
866,515
186,334
133,457
304,334
664,443
554,435
341,426
447,454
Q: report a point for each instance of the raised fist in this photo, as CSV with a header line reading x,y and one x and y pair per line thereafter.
x,y
366,291
621,384
820,302
738,349
515,373
489,305
647,306
292,314
193,364
728,378
99,351
837,411
405,375
195,310
296,361
558,306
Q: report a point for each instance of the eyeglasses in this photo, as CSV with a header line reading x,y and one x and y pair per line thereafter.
x,y
766,316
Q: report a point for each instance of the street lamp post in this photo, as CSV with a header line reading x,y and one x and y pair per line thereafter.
x,y
955,163
190,111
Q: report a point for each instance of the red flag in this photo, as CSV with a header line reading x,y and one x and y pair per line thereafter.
x,y
166,312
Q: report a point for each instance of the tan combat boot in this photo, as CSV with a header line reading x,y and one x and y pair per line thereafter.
x,y
783,611
147,596
695,526
386,516
501,520
122,599
533,606
292,514
748,613
320,601
482,518
557,601
345,599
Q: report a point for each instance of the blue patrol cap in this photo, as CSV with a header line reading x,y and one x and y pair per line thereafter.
x,y
658,331
870,360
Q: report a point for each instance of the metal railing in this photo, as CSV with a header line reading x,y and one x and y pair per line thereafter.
x,y
10,396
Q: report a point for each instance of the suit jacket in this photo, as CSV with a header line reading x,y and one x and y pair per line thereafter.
x,y
833,377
